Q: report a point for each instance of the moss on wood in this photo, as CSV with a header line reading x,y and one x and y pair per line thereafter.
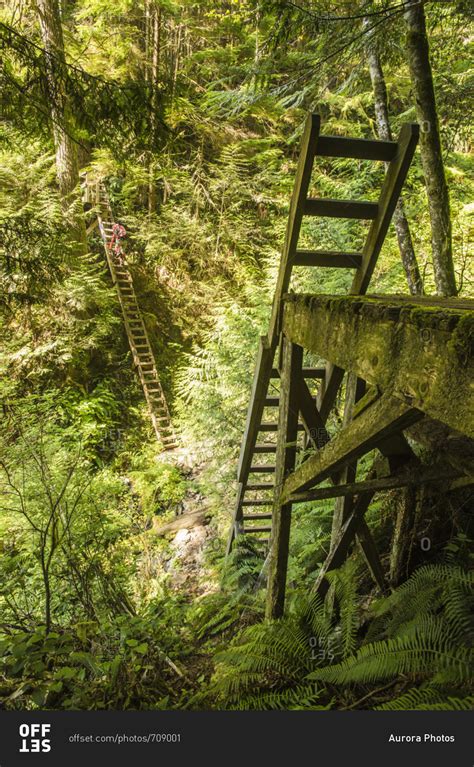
x,y
418,349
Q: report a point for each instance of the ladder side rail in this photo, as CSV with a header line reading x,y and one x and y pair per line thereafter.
x,y
267,350
389,195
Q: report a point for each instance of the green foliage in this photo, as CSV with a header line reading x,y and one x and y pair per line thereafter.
x,y
425,625
160,485
117,664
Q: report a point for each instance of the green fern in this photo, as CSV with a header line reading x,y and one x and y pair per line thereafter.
x,y
424,650
427,698
423,635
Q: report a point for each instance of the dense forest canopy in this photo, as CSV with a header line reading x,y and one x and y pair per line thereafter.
x,y
191,115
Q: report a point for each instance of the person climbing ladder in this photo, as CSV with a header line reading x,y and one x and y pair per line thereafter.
x,y
118,234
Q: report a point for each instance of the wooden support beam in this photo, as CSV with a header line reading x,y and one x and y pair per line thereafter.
x,y
292,359
314,424
339,552
343,507
380,485
329,389
386,416
370,554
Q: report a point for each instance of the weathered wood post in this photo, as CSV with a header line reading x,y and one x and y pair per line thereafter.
x,y
343,508
292,361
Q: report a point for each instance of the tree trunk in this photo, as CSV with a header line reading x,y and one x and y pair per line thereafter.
x,y
67,169
154,79
430,148
405,243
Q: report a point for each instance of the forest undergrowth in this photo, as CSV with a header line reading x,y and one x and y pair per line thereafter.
x,y
116,593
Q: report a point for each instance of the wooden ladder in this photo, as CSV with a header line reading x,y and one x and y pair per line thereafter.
x,y
139,342
252,496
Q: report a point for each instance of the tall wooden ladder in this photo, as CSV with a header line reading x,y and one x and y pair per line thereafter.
x,y
143,358
253,508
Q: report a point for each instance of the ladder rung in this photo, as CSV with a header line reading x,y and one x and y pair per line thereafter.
x,y
261,469
260,486
257,502
327,259
263,448
341,208
265,529
274,427
356,148
307,373
257,516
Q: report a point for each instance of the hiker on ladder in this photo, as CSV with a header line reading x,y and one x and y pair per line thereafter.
x,y
115,245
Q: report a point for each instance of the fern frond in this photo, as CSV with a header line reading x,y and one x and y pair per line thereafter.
x,y
423,651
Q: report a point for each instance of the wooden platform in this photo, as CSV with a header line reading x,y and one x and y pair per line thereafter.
x,y
420,350
415,357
